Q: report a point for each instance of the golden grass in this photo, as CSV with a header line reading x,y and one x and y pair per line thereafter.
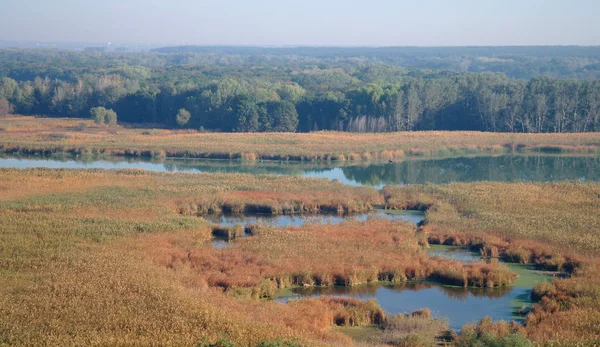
x,y
348,254
402,330
98,257
93,257
74,272
563,214
53,135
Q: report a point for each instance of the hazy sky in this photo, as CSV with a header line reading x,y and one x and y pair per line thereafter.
x,y
305,22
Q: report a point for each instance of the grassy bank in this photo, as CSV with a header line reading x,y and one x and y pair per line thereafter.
x,y
29,135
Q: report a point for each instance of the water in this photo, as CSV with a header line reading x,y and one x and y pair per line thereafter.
x,y
459,305
454,253
507,168
282,221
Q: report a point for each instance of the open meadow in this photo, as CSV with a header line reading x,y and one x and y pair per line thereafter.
x,y
31,135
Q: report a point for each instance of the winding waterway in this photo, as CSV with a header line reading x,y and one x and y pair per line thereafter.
x,y
282,221
458,305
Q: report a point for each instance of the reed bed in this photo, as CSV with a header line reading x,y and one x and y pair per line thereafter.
x,y
348,254
555,226
45,136
95,257
78,263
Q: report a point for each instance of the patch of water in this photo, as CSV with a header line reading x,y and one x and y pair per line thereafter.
x,y
459,305
282,221
454,253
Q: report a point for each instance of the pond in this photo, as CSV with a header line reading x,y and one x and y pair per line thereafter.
x,y
459,305
412,170
282,221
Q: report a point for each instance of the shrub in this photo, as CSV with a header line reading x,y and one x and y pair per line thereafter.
x,y
5,108
183,117
543,289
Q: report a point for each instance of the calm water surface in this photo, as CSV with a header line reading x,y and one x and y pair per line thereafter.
x,y
459,305
283,221
508,168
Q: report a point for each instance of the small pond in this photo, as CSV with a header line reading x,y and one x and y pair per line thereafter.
x,y
282,221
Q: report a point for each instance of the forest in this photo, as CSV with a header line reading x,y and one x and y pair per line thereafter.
x,y
229,89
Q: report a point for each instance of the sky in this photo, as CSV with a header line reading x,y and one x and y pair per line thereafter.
x,y
304,22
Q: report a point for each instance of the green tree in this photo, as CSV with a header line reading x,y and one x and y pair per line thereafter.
x,y
284,115
101,115
247,116
111,117
183,117
8,87
291,92
98,114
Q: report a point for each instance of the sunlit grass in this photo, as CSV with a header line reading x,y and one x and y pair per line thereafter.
x,y
94,257
46,136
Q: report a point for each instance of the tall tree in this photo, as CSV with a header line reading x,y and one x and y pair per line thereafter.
x,y
284,116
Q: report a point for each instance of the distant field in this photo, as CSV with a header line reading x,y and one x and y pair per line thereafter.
x,y
30,135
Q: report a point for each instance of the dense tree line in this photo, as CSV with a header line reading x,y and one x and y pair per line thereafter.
x,y
514,61
517,62
228,92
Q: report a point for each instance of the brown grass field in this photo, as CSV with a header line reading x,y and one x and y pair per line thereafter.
x,y
94,257
106,258
20,134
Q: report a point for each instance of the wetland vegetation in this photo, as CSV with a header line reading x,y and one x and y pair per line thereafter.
x,y
46,136
124,256
356,227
